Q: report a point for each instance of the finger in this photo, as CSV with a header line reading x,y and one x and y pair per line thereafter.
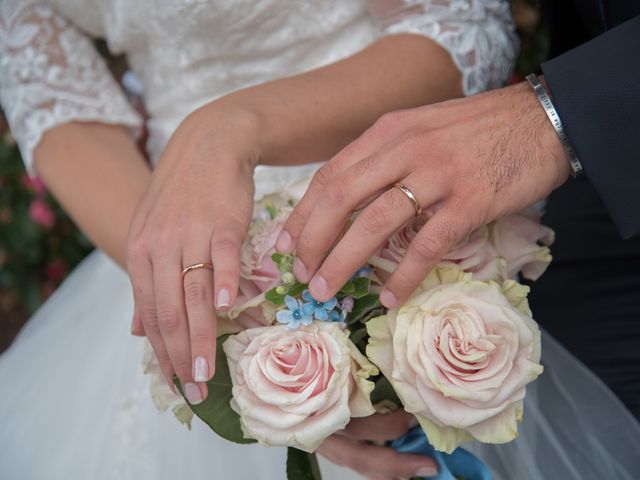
x,y
225,253
198,299
369,177
368,143
137,328
172,320
374,460
442,232
141,275
370,230
380,427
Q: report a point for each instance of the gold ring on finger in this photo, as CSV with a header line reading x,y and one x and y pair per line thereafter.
x,y
409,194
196,266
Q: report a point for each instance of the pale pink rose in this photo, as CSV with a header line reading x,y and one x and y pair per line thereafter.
x,y
523,242
41,213
474,254
297,387
459,354
258,272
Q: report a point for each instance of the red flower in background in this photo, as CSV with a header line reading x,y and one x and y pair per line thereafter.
x,y
41,213
56,270
34,184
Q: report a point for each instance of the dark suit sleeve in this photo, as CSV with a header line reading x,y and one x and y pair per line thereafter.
x,y
596,91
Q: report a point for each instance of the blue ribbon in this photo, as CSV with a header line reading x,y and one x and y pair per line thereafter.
x,y
451,466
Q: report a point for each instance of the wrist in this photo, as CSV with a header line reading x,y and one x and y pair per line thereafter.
x,y
549,149
539,89
235,126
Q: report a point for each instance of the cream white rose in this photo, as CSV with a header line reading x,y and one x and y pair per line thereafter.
x,y
459,354
297,387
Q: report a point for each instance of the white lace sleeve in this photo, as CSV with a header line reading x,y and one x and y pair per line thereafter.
x,y
479,34
50,73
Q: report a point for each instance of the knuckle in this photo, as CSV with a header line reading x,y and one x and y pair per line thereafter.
x,y
150,318
337,192
224,247
403,281
168,320
182,366
446,233
376,217
426,249
387,122
202,337
366,165
136,248
195,293
324,175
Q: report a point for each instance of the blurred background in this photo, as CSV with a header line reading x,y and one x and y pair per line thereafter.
x,y
40,245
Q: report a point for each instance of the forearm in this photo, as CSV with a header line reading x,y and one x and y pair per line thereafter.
x,y
311,116
96,172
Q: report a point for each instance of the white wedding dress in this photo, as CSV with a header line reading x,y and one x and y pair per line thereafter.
x,y
75,403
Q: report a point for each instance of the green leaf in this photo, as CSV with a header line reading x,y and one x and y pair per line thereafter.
x,y
273,211
302,465
384,391
348,288
297,289
361,287
274,297
364,308
216,410
277,258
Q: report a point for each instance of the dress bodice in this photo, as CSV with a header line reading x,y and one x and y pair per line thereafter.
x,y
187,52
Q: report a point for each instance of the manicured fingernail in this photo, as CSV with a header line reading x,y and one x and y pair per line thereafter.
x,y
318,286
284,242
200,369
300,270
387,298
413,422
133,324
192,392
224,299
426,472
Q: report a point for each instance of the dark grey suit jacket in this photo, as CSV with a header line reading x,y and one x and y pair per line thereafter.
x,y
595,87
589,299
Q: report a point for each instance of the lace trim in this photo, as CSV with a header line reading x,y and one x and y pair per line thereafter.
x,y
51,74
479,34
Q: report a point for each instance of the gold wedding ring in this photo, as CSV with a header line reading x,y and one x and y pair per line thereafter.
x,y
196,266
414,201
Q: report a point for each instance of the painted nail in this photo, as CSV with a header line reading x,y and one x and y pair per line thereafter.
x,y
426,472
192,392
387,298
224,299
318,286
284,242
200,369
299,270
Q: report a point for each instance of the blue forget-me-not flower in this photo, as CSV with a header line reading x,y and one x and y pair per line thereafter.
x,y
321,310
297,313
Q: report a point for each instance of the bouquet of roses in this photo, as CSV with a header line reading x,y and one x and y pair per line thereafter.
x,y
291,371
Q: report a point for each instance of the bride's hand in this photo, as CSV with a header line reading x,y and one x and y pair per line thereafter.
x,y
352,448
467,162
196,210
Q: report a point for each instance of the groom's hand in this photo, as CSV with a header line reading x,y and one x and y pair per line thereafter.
x,y
352,448
467,162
